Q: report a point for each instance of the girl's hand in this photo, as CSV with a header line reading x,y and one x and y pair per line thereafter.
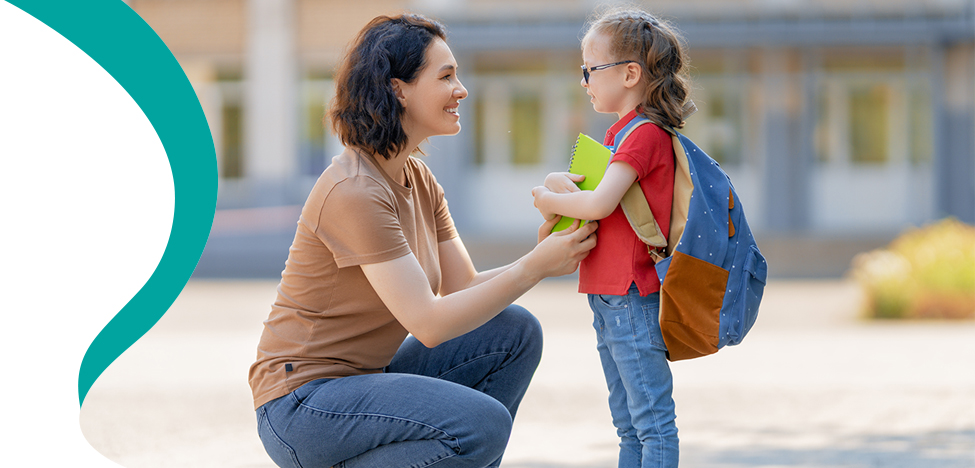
x,y
561,252
539,193
563,182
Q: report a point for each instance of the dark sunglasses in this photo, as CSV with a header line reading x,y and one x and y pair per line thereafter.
x,y
587,71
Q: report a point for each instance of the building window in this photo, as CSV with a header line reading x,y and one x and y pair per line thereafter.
x,y
231,129
508,120
873,120
921,121
869,109
717,126
233,163
317,145
313,148
477,110
528,122
526,116
874,109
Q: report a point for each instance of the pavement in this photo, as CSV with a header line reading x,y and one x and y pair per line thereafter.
x,y
813,385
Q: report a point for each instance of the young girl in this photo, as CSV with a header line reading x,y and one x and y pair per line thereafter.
x,y
633,64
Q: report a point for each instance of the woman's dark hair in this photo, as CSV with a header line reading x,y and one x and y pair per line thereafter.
x,y
365,112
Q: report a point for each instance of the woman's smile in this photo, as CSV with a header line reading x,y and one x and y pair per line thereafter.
x,y
437,82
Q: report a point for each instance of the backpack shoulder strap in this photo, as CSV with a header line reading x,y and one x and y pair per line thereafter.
x,y
634,203
627,129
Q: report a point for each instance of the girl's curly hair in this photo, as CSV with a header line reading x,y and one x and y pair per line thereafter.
x,y
659,49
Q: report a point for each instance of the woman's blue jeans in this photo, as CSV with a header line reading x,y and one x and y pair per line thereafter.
x,y
634,360
451,405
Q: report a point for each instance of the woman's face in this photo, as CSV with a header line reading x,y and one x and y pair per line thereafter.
x,y
432,99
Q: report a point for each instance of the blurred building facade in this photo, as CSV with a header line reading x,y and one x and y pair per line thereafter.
x,y
833,118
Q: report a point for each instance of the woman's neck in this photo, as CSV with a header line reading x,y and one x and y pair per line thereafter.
x,y
394,166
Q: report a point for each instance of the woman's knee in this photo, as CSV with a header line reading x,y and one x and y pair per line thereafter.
x,y
517,318
498,427
491,432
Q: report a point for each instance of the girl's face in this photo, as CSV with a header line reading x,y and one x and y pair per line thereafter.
x,y
432,99
606,87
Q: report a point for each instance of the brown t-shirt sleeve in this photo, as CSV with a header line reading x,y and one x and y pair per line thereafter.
x,y
444,223
358,223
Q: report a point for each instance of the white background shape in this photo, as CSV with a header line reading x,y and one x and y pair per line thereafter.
x,y
86,207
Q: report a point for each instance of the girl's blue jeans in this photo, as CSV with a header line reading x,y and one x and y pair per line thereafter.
x,y
634,360
451,405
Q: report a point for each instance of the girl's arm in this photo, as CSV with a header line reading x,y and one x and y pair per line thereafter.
x,y
403,286
596,204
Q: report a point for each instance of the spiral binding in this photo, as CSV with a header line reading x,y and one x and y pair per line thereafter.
x,y
572,155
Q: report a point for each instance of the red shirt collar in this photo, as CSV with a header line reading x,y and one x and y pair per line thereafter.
x,y
611,133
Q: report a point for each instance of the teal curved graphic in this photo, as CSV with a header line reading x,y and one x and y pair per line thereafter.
x,y
128,49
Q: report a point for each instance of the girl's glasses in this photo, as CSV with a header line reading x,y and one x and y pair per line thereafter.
x,y
586,71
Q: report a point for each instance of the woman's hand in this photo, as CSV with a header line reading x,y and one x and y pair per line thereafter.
x,y
546,228
561,252
563,182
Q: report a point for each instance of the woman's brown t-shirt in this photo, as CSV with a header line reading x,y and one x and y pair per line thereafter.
x,y
327,320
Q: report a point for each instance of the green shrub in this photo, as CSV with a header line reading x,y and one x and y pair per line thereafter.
x,y
924,273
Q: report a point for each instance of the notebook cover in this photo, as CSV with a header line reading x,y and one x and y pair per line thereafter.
x,y
589,158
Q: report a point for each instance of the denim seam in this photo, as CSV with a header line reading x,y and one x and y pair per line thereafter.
x,y
373,415
650,397
651,335
380,416
453,439
277,438
607,305
448,456
595,314
434,462
478,358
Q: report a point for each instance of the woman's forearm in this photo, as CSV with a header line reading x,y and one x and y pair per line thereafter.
x,y
457,271
483,276
465,310
403,287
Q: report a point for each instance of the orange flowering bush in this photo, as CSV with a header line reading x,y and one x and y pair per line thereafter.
x,y
925,273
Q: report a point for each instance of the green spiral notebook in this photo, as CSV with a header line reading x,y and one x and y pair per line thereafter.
x,y
589,158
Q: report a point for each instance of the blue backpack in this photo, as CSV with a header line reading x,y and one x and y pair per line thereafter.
x,y
712,275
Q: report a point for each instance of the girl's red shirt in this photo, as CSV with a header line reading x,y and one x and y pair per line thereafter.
x,y
620,258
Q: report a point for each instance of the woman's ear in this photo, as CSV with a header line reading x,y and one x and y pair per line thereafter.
x,y
398,86
632,75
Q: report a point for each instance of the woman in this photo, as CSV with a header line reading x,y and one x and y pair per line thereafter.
x,y
338,381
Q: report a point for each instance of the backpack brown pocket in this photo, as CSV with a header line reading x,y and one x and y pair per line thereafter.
x,y
690,325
